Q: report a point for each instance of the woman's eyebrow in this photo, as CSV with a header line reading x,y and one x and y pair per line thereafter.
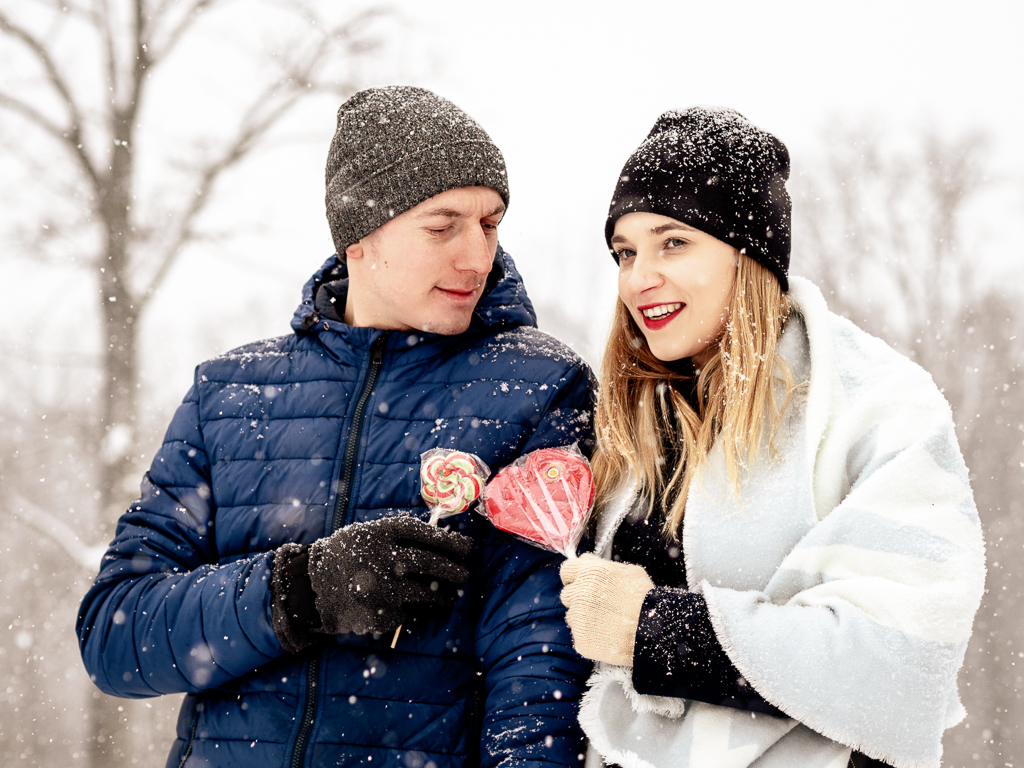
x,y
659,230
662,229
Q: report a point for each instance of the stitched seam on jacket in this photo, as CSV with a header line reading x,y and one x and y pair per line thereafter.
x,y
259,417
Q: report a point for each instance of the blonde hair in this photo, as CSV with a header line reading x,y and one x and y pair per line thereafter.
x,y
642,419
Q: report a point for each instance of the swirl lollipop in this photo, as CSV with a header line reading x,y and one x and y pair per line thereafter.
x,y
450,481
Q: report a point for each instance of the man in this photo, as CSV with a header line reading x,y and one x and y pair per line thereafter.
x,y
278,543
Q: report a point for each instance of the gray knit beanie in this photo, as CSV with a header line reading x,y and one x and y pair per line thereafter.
x,y
394,148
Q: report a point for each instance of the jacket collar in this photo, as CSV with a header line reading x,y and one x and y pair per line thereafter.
x,y
503,305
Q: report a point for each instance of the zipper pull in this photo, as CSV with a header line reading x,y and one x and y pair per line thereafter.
x,y
377,349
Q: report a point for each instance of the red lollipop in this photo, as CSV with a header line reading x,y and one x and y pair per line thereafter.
x,y
543,498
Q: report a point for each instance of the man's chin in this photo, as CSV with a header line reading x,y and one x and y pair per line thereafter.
x,y
447,326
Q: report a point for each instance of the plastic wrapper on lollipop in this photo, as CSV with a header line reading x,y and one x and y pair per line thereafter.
x,y
543,498
450,481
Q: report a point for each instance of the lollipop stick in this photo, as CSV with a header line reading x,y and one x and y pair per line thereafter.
x,y
434,516
449,482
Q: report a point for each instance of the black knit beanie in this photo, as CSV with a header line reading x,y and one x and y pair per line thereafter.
x,y
394,148
711,168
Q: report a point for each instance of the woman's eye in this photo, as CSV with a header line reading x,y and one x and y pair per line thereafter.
x,y
675,242
624,254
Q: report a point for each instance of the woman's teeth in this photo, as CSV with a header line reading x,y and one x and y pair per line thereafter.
x,y
660,311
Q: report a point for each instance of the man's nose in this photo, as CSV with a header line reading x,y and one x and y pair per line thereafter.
x,y
476,252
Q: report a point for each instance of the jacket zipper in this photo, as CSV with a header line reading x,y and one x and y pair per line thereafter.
x,y
191,738
351,450
340,515
308,709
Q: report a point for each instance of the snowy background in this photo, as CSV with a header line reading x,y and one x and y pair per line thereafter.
x,y
902,119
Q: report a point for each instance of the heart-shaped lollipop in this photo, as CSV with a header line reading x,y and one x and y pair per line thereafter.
x,y
543,497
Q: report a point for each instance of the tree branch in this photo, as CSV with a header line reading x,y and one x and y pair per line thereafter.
x,y
251,130
45,59
67,6
73,135
65,136
84,555
26,110
297,79
142,59
106,30
159,50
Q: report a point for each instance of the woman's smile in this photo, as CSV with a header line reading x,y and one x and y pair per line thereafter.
x,y
657,316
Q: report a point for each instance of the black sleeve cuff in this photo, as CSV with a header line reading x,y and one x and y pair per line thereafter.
x,y
678,654
293,601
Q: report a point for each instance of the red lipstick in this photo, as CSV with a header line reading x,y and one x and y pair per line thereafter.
x,y
656,324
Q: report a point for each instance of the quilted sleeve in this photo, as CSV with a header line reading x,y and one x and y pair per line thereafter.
x,y
569,415
162,616
534,680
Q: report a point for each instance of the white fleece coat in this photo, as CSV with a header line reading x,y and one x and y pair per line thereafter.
x,y
842,583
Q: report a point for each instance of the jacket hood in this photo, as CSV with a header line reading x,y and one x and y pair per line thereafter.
x,y
504,303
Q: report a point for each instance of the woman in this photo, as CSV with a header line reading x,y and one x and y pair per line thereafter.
x,y
788,558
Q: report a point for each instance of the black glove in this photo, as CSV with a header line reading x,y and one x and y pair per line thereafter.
x,y
363,577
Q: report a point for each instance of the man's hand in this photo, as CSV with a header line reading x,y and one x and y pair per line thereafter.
x,y
604,599
361,578
366,574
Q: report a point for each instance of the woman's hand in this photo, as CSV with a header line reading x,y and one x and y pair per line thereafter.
x,y
604,599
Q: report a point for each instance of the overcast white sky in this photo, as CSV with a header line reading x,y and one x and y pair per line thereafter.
x,y
569,89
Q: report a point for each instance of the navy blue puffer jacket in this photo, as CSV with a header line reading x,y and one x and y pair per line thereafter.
x,y
288,439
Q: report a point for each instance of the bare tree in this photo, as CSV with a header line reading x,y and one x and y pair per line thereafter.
x,y
124,205
893,236
139,240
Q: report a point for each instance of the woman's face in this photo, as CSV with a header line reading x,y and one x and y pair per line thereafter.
x,y
677,283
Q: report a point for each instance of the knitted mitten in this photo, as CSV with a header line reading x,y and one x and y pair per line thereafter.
x,y
604,599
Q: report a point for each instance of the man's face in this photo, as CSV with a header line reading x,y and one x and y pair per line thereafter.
x,y
425,269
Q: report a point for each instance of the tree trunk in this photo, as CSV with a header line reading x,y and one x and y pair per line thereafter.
x,y
119,313
119,412
109,743
110,738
